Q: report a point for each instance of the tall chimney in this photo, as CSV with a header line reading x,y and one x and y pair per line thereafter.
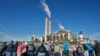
x,y
47,28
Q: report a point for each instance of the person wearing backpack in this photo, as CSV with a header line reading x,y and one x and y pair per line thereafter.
x,y
25,49
3,49
80,49
51,49
47,46
31,50
9,50
90,48
74,49
41,50
15,49
66,48
97,48
86,49
19,49
57,50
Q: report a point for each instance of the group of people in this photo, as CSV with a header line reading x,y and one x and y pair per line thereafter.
x,y
45,49
25,49
82,49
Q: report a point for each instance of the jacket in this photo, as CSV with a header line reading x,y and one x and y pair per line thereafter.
x,y
20,49
97,47
42,49
57,49
66,46
10,47
15,47
31,48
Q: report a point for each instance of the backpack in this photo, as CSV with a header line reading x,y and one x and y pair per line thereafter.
x,y
41,49
2,47
52,48
24,50
79,49
30,48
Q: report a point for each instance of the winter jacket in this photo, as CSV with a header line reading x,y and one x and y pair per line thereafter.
x,y
97,47
57,49
10,47
84,46
15,47
73,47
80,48
42,49
31,48
66,46
20,48
90,47
3,47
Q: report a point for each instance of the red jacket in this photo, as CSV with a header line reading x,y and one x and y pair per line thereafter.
x,y
20,49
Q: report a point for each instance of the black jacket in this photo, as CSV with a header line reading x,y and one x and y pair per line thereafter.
x,y
97,47
15,47
10,47
31,48
42,49
84,46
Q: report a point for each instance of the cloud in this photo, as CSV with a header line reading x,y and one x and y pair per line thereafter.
x,y
95,36
60,25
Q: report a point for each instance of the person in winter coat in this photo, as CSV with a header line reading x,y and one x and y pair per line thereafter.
x,y
86,51
3,47
47,49
31,50
19,49
52,49
25,49
15,49
57,50
90,48
66,48
41,50
74,49
9,49
80,49
97,48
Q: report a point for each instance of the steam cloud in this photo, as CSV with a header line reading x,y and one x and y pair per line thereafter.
x,y
46,8
61,26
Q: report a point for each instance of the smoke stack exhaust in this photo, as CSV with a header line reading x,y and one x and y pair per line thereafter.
x,y
46,8
61,26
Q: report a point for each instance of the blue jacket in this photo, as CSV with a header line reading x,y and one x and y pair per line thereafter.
x,y
66,46
89,46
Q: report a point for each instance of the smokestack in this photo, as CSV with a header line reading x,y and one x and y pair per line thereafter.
x,y
47,27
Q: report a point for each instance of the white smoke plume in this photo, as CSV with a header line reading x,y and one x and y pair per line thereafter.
x,y
46,8
61,26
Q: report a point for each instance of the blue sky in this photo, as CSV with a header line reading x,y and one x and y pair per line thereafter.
x,y
20,19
